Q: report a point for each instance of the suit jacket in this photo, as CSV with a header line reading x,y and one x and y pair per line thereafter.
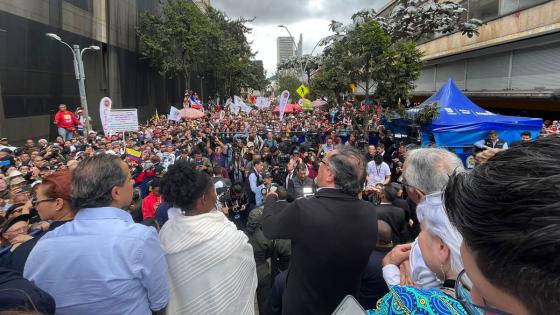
x,y
395,217
333,235
373,285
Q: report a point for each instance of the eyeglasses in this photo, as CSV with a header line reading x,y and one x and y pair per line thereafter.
x,y
408,187
35,202
463,295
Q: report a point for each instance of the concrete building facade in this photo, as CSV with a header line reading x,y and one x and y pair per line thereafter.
x,y
512,66
37,74
284,48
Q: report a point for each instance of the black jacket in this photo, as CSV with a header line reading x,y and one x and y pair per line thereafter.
x,y
395,217
20,293
333,235
16,260
373,285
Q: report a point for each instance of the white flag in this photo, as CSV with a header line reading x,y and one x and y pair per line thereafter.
x,y
237,105
242,105
229,104
104,112
174,114
262,102
282,102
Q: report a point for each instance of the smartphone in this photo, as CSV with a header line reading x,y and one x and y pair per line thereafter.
x,y
349,306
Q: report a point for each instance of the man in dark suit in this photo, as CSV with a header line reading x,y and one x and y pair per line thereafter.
x,y
301,185
373,286
332,233
384,154
394,216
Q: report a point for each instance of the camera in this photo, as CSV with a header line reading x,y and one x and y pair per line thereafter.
x,y
271,188
308,192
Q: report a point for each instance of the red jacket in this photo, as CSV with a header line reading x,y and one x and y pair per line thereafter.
x,y
66,120
149,206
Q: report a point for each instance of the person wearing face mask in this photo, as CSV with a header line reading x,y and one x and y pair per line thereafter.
x,y
215,269
439,242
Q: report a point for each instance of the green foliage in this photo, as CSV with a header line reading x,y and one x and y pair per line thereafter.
x,y
290,83
427,114
368,56
184,40
310,65
424,115
401,66
174,42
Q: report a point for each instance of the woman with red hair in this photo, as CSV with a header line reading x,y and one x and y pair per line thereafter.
x,y
53,203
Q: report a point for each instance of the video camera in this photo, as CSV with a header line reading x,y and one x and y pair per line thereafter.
x,y
268,189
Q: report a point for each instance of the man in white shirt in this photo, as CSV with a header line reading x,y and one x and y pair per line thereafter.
x,y
493,142
378,172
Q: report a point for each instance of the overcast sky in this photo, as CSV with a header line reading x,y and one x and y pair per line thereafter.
x,y
308,17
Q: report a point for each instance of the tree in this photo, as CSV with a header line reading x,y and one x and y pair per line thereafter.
x,y
415,19
232,57
183,41
309,64
175,42
288,82
380,52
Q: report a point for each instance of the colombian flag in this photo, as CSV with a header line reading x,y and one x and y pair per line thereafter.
x,y
133,154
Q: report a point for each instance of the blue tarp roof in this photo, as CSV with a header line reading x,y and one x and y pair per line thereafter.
x,y
459,113
461,122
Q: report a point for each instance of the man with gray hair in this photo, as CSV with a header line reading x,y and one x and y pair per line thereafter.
x,y
425,172
101,262
333,234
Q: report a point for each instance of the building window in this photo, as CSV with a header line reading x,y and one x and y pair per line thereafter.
x,y
484,9
508,6
529,3
82,4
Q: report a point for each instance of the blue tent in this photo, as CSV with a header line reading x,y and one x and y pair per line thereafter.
x,y
461,122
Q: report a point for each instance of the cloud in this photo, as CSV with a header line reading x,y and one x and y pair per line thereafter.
x,y
268,12
308,17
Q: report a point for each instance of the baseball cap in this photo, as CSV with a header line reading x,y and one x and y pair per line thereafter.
x,y
267,175
11,221
13,208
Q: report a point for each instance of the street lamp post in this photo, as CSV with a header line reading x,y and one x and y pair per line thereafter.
x,y
201,77
80,74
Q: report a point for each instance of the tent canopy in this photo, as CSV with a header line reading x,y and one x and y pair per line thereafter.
x,y
290,108
461,122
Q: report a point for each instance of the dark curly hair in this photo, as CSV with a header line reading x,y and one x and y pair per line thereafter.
x,y
183,185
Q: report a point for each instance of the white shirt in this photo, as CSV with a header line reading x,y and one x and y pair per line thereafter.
x,y
377,173
421,275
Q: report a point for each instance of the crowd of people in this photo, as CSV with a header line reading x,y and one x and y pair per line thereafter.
x,y
249,213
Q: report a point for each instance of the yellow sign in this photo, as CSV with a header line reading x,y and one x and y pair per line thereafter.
x,y
305,104
353,88
302,90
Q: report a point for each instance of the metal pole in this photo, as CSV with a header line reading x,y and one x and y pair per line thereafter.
x,y
201,90
82,86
